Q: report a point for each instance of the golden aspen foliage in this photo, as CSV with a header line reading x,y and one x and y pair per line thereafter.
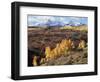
x,y
66,51
42,60
47,52
69,44
55,52
61,48
53,55
81,44
34,61
57,49
73,46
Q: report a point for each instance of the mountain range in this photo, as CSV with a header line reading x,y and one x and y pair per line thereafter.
x,y
58,24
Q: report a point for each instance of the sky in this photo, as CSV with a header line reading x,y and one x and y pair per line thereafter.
x,y
36,20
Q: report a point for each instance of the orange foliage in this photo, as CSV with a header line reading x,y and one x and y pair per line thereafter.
x,y
62,47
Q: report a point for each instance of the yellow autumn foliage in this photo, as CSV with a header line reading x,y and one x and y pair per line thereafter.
x,y
43,60
61,48
48,52
35,61
81,44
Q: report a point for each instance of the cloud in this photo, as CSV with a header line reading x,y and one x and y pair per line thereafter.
x,y
35,20
75,18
